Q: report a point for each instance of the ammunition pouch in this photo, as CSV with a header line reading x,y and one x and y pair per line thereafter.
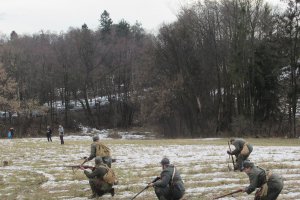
x,y
263,190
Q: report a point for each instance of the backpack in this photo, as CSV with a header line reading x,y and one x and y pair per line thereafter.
x,y
102,150
110,176
245,151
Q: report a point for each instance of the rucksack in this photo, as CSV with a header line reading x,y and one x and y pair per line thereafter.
x,y
110,176
102,150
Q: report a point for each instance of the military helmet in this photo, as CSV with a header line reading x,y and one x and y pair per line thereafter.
x,y
165,161
98,160
95,138
247,164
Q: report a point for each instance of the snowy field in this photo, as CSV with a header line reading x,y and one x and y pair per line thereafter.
x,y
36,168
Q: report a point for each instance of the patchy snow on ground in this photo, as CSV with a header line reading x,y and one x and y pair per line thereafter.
x,y
105,134
37,169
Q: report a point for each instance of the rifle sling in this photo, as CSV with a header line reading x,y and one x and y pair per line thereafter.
x,y
172,179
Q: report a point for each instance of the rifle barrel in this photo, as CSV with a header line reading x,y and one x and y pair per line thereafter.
x,y
78,166
154,180
231,155
139,192
239,190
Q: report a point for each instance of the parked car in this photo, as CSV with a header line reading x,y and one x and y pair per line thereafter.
x,y
4,114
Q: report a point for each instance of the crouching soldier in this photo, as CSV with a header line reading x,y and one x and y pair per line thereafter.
x,y
242,151
170,185
101,179
269,184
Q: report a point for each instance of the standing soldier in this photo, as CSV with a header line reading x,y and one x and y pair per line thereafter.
x,y
100,150
98,179
61,134
270,184
242,151
170,185
49,134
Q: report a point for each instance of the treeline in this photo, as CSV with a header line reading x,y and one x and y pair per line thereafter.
x,y
226,66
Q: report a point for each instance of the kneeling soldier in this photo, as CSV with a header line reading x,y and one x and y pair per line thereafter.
x,y
270,184
170,185
97,179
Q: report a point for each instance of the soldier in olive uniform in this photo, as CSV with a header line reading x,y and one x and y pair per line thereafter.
x,y
242,151
270,184
49,134
98,185
100,150
170,185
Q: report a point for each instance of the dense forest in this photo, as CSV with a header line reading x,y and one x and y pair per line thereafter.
x,y
224,67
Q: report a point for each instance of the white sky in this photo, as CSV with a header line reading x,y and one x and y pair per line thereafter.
x,y
32,16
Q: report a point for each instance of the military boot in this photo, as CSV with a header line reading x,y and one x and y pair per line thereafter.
x,y
112,192
94,195
235,168
162,198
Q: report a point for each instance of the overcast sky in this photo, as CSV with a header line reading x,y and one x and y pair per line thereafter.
x,y
32,16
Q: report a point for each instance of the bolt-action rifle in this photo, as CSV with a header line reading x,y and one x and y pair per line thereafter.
x,y
156,179
112,160
231,155
85,160
231,193
76,167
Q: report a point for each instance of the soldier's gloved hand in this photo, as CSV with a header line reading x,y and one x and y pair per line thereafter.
x,y
229,152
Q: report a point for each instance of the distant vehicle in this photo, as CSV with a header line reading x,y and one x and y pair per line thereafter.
x,y
36,113
4,114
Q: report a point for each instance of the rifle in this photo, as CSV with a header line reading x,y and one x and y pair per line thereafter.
x,y
76,167
231,193
85,160
112,160
231,155
156,179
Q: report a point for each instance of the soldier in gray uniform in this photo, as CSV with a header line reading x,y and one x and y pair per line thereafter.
x,y
98,185
100,150
170,185
270,184
242,151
